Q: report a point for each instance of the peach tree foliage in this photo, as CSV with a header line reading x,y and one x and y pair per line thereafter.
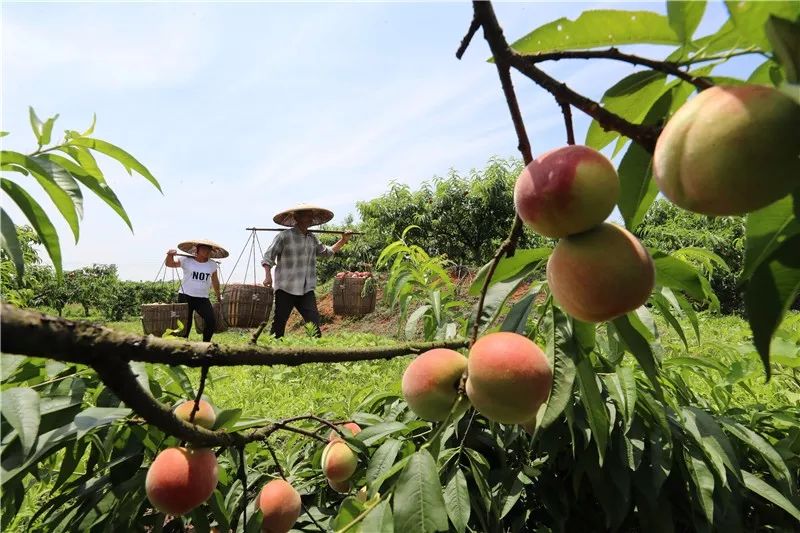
x,y
624,441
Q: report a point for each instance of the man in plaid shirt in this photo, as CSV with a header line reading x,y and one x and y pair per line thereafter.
x,y
294,253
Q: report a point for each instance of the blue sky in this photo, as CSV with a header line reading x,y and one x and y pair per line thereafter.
x,y
243,109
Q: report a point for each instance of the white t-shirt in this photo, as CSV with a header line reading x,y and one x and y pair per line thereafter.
x,y
196,276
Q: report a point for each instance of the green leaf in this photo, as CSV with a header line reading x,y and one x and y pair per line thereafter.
x,y
621,387
20,407
125,159
703,481
456,497
769,493
784,36
517,317
10,243
594,405
383,459
640,349
349,510
90,130
509,267
770,291
760,445
64,180
98,187
47,131
373,434
678,274
38,219
765,230
94,417
712,440
497,295
561,350
227,418
86,161
61,198
637,188
413,320
664,308
36,124
684,17
418,502
595,28
379,519
750,19
631,98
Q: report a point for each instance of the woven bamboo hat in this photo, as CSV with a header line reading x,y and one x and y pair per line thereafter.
x,y
190,247
320,215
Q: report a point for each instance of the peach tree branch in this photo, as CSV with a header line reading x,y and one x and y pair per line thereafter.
x,y
38,335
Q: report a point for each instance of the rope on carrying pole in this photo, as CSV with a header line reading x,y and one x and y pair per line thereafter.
x,y
335,232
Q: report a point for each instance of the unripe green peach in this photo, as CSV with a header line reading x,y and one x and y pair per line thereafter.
x,y
204,417
509,377
567,190
180,479
280,503
430,383
730,150
338,461
600,274
351,429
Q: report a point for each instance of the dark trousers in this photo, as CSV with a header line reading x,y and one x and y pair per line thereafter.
x,y
285,302
204,309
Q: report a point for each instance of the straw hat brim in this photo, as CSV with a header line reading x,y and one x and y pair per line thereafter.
x,y
190,247
320,215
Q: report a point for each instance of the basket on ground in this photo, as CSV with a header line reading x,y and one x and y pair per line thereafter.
x,y
354,293
221,322
158,318
247,306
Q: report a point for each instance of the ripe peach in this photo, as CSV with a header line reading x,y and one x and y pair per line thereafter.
x,y
338,461
730,150
430,383
280,503
567,190
350,428
600,274
204,417
509,377
180,479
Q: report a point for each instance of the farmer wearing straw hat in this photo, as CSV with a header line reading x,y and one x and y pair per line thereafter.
x,y
294,253
199,273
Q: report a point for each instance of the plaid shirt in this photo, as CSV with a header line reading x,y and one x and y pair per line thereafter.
x,y
296,257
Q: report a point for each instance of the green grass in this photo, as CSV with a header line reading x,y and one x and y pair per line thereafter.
x,y
281,391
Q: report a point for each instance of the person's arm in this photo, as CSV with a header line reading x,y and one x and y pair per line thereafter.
x,y
330,250
215,285
170,260
270,256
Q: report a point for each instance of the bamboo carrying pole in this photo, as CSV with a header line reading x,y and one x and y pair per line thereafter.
x,y
310,231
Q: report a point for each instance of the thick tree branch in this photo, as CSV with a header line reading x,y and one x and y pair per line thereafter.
x,y
39,335
666,67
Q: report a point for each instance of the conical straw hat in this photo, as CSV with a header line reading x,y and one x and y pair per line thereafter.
x,y
190,247
320,215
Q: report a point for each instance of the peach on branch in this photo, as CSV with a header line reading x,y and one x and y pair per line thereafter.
x,y
180,479
430,383
509,377
350,429
204,417
600,274
338,461
566,190
730,150
280,504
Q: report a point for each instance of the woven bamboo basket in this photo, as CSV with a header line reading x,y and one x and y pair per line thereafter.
x,y
350,298
158,318
221,322
247,306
